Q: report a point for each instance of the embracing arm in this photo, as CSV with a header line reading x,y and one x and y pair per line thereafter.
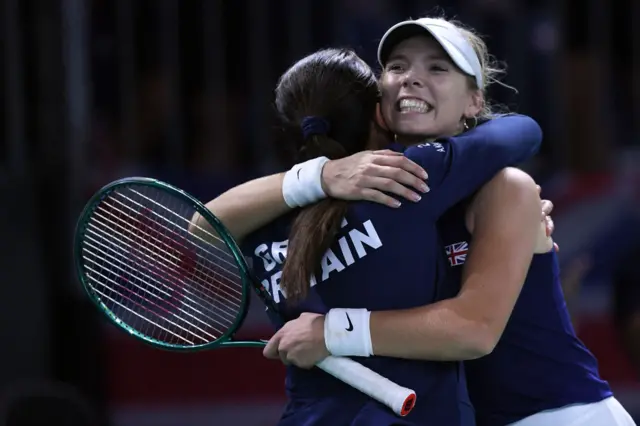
x,y
251,205
362,176
506,221
458,166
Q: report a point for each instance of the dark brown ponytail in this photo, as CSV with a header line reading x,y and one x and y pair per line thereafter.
x,y
339,91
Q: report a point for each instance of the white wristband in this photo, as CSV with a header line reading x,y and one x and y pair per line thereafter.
x,y
302,184
347,333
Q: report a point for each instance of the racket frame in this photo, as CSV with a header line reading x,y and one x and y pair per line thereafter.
x,y
223,233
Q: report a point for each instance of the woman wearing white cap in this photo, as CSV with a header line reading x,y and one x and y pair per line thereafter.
x,y
538,373
434,78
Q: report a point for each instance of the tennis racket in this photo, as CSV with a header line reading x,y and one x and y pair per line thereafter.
x,y
179,283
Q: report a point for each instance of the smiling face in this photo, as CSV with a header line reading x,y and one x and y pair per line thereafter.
x,y
424,95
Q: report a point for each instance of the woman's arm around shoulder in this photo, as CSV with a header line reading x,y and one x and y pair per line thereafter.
x,y
369,175
506,224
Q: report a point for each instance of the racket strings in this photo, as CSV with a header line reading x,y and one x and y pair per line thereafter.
x,y
116,263
169,248
129,237
194,225
202,312
230,263
129,296
128,309
169,268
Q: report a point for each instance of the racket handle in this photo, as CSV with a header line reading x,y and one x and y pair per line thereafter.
x,y
400,399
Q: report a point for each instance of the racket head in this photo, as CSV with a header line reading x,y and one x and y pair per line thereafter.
x,y
90,237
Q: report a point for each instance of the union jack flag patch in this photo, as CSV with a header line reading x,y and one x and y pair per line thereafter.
x,y
457,253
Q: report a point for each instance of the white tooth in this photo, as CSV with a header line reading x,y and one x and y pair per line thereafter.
x,y
416,105
412,103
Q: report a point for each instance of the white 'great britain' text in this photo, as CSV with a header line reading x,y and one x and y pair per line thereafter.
x,y
351,248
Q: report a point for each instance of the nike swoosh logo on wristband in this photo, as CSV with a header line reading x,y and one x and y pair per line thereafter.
x,y
350,328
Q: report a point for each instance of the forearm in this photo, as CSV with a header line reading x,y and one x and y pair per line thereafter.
x,y
442,331
250,206
465,327
506,225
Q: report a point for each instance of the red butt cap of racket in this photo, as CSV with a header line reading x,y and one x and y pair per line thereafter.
x,y
409,403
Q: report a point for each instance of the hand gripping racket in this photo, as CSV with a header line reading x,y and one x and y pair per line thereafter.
x,y
181,284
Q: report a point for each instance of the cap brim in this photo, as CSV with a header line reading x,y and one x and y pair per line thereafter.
x,y
408,29
397,34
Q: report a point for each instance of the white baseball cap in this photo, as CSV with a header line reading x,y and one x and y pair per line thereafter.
x,y
446,34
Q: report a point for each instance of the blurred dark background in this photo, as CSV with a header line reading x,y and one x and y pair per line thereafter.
x,y
94,90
